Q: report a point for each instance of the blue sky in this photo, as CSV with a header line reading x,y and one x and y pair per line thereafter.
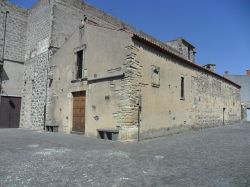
x,y
220,29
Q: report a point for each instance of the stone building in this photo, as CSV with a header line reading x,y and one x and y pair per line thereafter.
x,y
32,37
87,72
244,82
123,79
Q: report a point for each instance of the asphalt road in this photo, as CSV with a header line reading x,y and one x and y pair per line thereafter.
x,y
209,157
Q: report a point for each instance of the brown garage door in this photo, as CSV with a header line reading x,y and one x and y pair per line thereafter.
x,y
10,112
78,112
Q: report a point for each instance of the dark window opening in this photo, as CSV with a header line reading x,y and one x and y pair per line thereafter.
x,y
182,87
108,134
79,55
101,134
155,76
156,71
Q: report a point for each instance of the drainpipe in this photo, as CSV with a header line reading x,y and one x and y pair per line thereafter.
x,y
4,37
223,123
139,118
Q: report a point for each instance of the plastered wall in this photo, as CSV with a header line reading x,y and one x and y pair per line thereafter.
x,y
104,55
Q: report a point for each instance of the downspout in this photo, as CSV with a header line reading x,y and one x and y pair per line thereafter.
x,y
223,123
4,37
139,117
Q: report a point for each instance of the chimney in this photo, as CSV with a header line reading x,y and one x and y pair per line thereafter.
x,y
248,72
210,67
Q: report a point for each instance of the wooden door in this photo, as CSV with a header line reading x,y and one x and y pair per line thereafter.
x,y
78,112
10,112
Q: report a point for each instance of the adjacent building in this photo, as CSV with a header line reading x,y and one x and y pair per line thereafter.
x,y
87,72
244,82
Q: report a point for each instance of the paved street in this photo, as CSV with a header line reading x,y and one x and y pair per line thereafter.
x,y
210,157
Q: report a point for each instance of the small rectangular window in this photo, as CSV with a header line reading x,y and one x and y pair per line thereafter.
x,y
155,76
79,61
182,88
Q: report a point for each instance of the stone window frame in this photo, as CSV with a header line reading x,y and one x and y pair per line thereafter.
x,y
155,76
76,50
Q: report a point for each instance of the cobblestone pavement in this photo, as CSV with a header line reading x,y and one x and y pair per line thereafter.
x,y
210,157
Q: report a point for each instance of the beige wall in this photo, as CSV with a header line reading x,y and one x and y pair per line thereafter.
x,y
163,108
12,78
100,110
104,55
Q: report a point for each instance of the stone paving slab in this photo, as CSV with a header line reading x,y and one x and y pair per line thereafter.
x,y
209,157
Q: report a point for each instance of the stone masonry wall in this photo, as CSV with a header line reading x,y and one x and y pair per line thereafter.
x,y
210,96
182,48
38,39
129,93
27,90
15,31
